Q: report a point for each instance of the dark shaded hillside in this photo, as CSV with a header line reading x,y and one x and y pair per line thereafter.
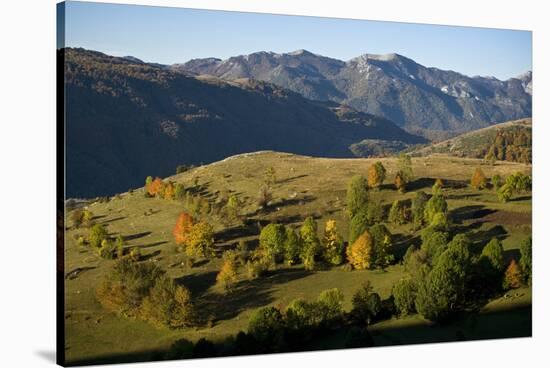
x,y
126,120
421,99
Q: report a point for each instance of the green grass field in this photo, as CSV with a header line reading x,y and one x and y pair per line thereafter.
x,y
305,186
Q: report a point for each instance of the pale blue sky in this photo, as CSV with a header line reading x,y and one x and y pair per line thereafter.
x,y
174,35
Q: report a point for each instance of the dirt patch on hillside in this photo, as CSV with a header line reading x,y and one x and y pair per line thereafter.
x,y
509,218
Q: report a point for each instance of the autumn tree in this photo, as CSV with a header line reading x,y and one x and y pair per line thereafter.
x,y
179,191
169,191
227,277
512,276
376,175
155,187
360,253
399,182
357,196
333,251
478,181
183,227
200,241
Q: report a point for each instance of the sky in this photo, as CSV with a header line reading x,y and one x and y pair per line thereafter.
x,y
174,35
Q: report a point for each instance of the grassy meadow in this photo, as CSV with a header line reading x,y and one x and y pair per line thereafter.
x,y
303,187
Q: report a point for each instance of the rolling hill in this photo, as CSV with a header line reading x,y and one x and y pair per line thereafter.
x,y
421,99
126,119
510,141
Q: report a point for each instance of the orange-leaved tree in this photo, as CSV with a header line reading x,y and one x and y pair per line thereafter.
x,y
512,276
155,187
169,191
479,181
376,174
183,227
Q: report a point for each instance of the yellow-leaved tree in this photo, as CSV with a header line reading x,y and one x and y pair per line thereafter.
x,y
360,253
227,277
333,244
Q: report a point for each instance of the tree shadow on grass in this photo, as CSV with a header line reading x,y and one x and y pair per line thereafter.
x,y
461,214
287,180
113,220
247,294
402,242
482,237
136,236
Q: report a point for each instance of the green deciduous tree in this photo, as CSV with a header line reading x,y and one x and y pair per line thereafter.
x,y
357,196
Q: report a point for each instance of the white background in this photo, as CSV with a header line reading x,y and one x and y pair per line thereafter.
x,y
27,183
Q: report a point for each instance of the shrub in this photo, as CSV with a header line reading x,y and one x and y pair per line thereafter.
x,y
360,253
440,222
415,261
135,254
257,268
404,295
333,244
180,169
357,196
108,249
272,238
512,276
81,218
376,174
264,196
478,181
97,234
526,260
270,177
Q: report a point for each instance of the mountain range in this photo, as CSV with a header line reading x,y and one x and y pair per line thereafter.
x,y
421,99
126,119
